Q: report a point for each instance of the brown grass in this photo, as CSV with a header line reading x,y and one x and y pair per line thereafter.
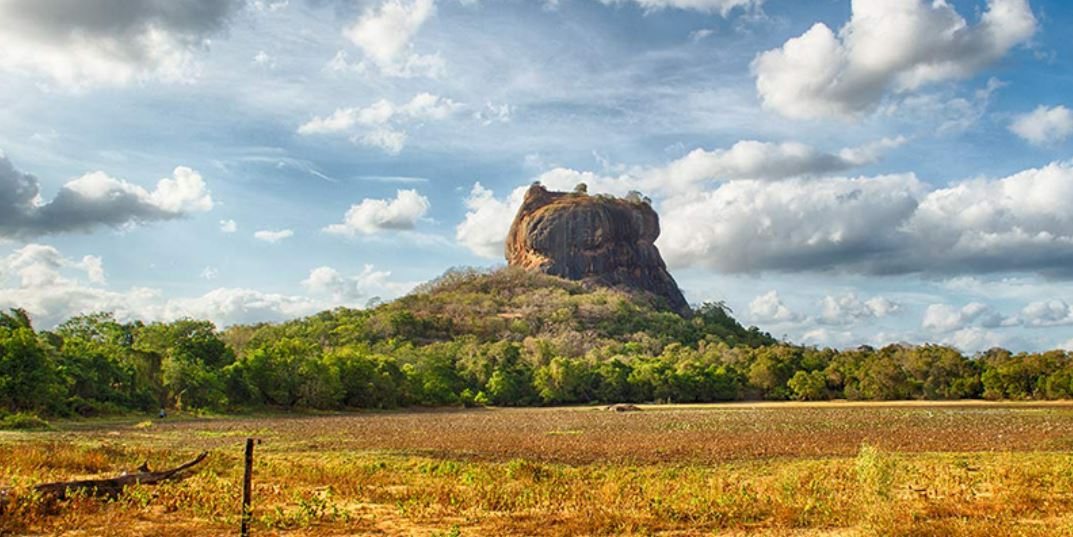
x,y
729,469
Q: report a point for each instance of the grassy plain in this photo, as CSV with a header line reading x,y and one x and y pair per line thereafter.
x,y
772,469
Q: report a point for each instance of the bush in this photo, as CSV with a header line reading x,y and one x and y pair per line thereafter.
x,y
23,421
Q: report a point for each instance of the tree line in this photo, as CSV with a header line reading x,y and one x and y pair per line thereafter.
x,y
94,364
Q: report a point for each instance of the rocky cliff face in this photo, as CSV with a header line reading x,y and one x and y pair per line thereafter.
x,y
594,239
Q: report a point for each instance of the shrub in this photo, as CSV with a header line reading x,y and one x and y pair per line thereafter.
x,y
23,421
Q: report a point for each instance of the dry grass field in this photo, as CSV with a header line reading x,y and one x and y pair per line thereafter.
x,y
770,469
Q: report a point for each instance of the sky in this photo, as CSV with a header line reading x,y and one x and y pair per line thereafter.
x,y
839,172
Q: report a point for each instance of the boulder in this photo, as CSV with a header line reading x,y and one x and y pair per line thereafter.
x,y
600,240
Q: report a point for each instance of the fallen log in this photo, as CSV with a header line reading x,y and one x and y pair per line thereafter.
x,y
112,487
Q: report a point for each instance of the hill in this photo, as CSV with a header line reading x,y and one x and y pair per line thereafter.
x,y
515,305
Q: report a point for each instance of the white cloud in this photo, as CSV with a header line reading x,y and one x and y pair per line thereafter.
x,y
38,265
263,59
390,141
976,339
494,113
54,288
484,230
750,159
375,215
947,318
380,124
849,309
225,306
94,199
1024,221
1047,313
824,337
209,273
108,42
886,46
350,290
723,7
700,35
385,35
881,225
768,308
270,6
228,226
791,225
1044,125
273,237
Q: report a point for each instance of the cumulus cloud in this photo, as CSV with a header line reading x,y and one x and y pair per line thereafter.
x,y
381,123
38,265
768,308
108,42
273,237
825,337
976,339
722,7
883,225
224,306
947,318
343,290
1044,125
375,215
886,47
385,34
849,309
792,225
1045,313
94,200
228,226
484,229
53,288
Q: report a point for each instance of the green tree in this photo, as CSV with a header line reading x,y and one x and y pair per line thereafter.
x,y
564,381
808,386
28,377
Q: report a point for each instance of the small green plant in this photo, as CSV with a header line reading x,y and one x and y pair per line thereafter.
x,y
453,531
875,472
24,421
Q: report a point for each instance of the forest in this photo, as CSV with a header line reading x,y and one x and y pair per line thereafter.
x,y
504,337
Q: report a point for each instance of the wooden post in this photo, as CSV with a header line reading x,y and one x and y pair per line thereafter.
x,y
247,477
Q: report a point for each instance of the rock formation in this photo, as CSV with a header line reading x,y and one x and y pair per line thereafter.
x,y
599,240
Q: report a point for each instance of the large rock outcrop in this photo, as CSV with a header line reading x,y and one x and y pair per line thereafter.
x,y
599,240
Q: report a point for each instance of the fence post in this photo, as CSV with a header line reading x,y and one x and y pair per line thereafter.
x,y
247,512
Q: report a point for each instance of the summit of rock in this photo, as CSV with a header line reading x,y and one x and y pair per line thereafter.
x,y
601,240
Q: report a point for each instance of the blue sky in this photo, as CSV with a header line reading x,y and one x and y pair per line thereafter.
x,y
840,172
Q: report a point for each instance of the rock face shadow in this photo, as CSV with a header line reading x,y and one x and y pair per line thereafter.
x,y
601,240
